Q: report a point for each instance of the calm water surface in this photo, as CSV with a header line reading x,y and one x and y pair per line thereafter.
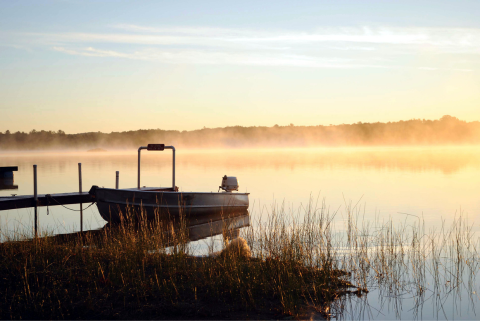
x,y
431,183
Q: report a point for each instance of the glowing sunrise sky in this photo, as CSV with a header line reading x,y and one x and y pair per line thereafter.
x,y
108,66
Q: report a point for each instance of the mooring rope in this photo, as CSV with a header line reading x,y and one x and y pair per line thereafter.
x,y
49,196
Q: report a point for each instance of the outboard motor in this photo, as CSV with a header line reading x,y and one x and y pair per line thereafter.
x,y
229,183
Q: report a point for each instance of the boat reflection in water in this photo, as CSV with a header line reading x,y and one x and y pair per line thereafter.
x,y
192,228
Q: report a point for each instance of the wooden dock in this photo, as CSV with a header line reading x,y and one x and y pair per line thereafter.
x,y
24,201
36,200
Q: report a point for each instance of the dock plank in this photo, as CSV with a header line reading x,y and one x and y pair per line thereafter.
x,y
24,201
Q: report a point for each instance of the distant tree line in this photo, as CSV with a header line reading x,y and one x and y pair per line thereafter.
x,y
446,130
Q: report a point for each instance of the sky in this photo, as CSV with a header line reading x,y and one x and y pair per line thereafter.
x,y
83,66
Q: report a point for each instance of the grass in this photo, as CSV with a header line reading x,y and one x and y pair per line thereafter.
x,y
144,271
309,259
406,261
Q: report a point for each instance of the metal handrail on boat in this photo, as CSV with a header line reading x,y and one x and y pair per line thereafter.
x,y
157,147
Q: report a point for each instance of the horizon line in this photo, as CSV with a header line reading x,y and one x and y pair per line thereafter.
x,y
254,126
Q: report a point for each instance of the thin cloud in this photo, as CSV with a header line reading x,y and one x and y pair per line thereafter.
x,y
442,38
92,52
321,48
463,37
218,58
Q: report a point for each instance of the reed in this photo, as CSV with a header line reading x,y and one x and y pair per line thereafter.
x,y
145,270
405,261
308,258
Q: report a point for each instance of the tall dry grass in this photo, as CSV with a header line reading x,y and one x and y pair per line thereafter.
x,y
145,270
306,258
412,267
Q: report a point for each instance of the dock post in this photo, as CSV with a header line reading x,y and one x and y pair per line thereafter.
x,y
116,179
80,190
35,198
173,172
138,175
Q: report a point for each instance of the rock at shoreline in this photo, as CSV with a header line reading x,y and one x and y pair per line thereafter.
x,y
237,247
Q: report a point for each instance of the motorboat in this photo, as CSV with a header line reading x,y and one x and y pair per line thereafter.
x,y
151,203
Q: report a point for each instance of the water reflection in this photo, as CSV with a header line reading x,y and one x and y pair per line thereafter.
x,y
428,182
196,227
415,159
406,299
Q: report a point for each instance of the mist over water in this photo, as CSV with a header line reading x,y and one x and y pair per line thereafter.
x,y
428,182
447,130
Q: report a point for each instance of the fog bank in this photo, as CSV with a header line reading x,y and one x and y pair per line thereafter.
x,y
447,130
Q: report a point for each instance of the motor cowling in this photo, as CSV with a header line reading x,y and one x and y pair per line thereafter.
x,y
229,183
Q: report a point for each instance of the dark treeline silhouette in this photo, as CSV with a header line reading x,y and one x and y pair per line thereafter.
x,y
447,130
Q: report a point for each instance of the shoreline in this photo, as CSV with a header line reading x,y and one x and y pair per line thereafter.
x,y
95,291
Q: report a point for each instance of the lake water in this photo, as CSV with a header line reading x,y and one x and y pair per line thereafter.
x,y
432,183
435,184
